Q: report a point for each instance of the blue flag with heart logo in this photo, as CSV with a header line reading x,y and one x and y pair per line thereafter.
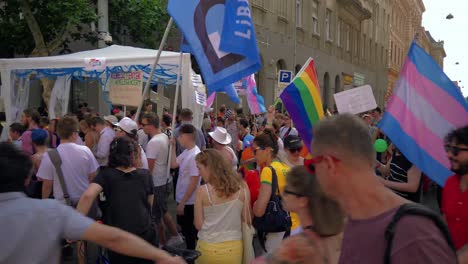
x,y
221,36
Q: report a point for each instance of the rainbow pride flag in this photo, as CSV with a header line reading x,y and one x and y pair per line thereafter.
x,y
302,100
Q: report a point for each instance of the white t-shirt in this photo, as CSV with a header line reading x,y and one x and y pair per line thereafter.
x,y
158,149
103,148
77,163
284,130
144,159
142,138
298,163
282,156
187,169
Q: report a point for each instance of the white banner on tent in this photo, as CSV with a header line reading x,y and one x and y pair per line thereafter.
x,y
355,101
95,63
125,88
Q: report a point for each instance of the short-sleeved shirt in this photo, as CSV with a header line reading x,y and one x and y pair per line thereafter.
x,y
247,154
103,147
187,170
142,138
127,205
234,132
416,240
32,229
26,142
266,177
399,167
77,163
286,131
158,149
455,209
144,159
247,141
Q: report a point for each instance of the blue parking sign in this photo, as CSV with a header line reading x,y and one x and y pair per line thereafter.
x,y
284,77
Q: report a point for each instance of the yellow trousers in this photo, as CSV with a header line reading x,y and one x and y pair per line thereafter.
x,y
229,252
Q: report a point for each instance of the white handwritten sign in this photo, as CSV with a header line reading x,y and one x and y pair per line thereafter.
x,y
125,88
355,101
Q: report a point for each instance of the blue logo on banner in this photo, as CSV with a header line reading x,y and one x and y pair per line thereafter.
x,y
221,36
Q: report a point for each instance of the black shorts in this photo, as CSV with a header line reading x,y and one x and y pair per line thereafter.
x,y
161,196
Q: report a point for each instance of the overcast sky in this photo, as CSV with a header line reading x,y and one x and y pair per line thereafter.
x,y
454,34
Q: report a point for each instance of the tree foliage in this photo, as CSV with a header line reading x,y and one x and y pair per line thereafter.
x,y
143,20
56,22
59,22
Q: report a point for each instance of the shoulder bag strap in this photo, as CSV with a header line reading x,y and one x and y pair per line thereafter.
x,y
417,210
57,161
274,182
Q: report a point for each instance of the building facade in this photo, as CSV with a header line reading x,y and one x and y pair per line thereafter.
x,y
406,26
348,39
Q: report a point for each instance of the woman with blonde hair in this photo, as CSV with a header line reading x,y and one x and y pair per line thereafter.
x,y
221,205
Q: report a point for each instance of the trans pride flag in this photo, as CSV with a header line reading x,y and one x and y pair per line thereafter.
x,y
424,107
302,100
254,100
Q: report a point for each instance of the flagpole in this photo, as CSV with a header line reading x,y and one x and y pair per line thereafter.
x,y
176,100
150,77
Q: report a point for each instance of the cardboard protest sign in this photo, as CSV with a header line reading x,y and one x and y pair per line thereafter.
x,y
125,88
355,101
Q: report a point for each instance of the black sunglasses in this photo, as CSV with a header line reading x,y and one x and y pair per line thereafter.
x,y
454,149
293,193
294,150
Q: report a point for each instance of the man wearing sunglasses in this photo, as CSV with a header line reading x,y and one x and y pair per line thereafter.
x,y
455,192
344,161
293,147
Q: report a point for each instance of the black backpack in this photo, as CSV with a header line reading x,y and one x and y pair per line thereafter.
x,y
419,210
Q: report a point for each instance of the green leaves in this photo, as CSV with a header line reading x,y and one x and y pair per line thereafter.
x,y
143,20
63,21
53,18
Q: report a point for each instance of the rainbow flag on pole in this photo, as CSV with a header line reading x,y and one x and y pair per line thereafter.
x,y
302,100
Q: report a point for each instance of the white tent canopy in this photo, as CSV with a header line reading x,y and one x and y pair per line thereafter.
x,y
76,65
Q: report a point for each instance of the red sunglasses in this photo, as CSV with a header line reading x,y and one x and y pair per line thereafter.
x,y
310,164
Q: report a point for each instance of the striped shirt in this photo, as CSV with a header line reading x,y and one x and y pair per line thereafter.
x,y
399,167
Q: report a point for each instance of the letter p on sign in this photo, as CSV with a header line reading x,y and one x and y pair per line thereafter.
x,y
284,77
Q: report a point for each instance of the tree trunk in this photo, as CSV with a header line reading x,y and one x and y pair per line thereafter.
x,y
41,47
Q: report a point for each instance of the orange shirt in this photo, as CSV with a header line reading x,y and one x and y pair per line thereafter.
x,y
247,154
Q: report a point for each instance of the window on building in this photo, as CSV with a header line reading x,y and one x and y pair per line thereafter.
x,y
356,42
391,50
363,48
299,7
347,37
338,33
328,25
315,21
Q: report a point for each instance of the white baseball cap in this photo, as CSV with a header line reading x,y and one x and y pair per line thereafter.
x,y
128,125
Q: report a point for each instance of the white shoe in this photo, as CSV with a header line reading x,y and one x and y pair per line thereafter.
x,y
175,241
